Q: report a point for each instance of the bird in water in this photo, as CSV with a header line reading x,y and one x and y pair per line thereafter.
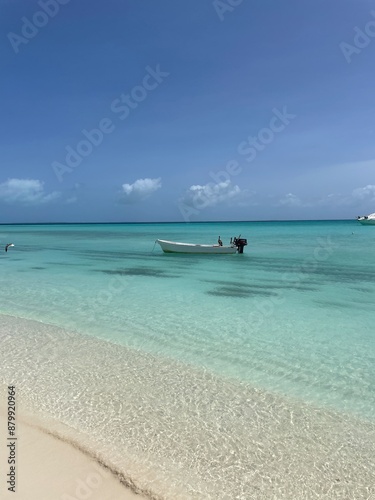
x,y
8,245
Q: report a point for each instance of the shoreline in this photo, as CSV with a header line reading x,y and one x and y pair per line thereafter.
x,y
48,467
178,432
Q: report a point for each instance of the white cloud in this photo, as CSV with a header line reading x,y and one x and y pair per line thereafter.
x,y
366,193
211,194
140,189
290,200
357,198
25,192
72,199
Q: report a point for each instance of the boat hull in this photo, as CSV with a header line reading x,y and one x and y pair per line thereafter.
x,y
176,247
367,222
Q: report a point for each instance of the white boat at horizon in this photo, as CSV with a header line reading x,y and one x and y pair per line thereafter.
x,y
179,247
367,220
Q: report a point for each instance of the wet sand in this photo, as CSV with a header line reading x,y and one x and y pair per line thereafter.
x,y
173,431
49,468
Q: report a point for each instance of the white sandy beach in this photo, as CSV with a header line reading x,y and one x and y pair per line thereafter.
x,y
167,430
51,469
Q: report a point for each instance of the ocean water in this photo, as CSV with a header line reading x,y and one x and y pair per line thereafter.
x,y
201,376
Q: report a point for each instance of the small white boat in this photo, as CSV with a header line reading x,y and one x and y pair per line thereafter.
x,y
367,220
178,247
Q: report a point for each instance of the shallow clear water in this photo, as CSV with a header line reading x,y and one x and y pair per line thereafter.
x,y
291,319
293,313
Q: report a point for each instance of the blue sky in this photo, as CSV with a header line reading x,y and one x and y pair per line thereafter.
x,y
136,110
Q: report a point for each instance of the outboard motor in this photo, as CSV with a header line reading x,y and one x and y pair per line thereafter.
x,y
240,243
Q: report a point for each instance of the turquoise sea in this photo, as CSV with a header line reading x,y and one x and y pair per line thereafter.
x,y
197,376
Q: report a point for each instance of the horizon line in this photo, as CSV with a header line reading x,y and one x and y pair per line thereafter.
x,y
172,222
